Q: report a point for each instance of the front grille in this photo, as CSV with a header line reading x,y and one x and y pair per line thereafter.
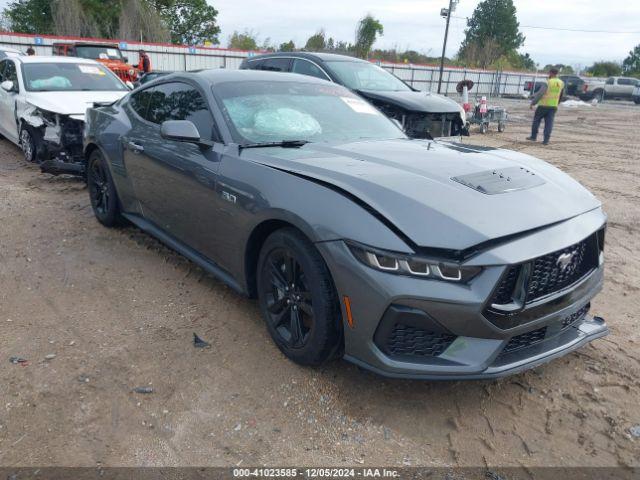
x,y
525,340
123,74
548,274
412,341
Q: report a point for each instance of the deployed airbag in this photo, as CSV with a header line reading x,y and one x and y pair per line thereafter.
x,y
285,123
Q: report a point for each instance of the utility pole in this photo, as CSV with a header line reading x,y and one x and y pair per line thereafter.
x,y
445,12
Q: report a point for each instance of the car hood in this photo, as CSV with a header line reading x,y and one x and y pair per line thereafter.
x,y
425,188
71,103
413,101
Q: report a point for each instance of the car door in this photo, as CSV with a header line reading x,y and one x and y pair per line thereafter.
x,y
610,87
626,87
8,125
175,181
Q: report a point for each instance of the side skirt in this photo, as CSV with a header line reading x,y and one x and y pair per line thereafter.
x,y
186,251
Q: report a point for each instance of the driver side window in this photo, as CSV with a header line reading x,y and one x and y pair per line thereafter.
x,y
181,101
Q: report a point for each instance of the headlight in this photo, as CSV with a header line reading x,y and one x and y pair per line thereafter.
x,y
412,266
131,72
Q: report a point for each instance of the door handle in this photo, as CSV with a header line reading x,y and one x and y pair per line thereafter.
x,y
134,147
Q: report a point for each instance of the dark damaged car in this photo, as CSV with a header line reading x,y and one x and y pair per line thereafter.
x,y
413,258
43,101
421,114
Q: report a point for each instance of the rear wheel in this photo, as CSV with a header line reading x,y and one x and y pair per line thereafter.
x,y
501,126
484,126
102,191
298,299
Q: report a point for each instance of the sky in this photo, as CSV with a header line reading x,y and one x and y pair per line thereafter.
x,y
417,25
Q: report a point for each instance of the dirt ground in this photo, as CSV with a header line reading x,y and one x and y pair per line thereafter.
x,y
118,310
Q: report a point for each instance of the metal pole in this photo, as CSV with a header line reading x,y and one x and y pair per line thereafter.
x,y
444,45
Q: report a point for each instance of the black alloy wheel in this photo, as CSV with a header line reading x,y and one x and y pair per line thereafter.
x,y
298,299
102,192
288,298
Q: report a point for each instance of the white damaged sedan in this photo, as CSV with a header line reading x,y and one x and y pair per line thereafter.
x,y
43,101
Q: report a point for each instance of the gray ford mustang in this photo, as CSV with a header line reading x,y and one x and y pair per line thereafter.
x,y
412,258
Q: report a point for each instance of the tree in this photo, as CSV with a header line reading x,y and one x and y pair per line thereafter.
x,y
287,46
631,64
344,47
525,62
482,54
30,16
243,41
267,46
492,31
316,42
190,21
103,14
605,69
368,29
141,22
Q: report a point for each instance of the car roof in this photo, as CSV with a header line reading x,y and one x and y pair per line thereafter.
x,y
10,49
220,75
53,59
316,56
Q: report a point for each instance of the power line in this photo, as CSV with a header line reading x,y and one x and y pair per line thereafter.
x,y
563,29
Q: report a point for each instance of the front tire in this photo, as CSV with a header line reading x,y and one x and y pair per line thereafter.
x,y
298,299
30,145
102,191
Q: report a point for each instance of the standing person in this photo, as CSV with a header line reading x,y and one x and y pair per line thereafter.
x,y
31,52
144,65
547,99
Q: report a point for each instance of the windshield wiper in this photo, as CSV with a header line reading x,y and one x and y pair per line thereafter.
x,y
283,144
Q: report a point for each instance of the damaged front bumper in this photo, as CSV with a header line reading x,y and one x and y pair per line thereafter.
x,y
58,140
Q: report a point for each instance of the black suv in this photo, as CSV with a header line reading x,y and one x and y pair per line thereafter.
x,y
421,114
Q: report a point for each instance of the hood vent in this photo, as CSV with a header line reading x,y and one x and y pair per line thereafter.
x,y
492,182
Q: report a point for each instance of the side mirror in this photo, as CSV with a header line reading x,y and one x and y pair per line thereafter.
x,y
7,86
125,59
180,131
129,85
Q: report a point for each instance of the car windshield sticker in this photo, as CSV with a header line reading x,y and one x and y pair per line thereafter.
x,y
359,106
91,69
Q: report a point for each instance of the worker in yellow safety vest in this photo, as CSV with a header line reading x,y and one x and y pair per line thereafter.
x,y
547,98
